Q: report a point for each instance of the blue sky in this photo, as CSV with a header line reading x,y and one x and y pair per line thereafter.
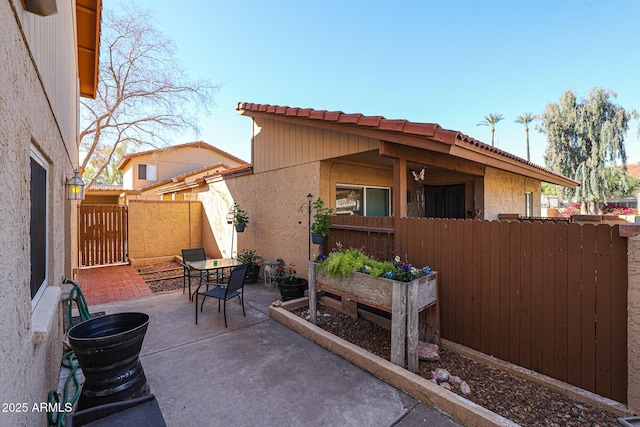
x,y
446,62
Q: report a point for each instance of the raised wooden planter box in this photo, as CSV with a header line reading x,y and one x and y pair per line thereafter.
x,y
404,300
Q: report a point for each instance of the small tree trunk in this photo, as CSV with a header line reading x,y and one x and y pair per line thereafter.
x,y
583,208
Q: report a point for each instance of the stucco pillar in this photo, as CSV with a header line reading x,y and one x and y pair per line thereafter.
x,y
400,188
632,232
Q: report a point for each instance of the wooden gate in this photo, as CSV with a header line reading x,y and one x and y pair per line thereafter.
x,y
103,235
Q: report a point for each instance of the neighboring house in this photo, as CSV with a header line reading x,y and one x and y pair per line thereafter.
x,y
168,173
49,56
368,165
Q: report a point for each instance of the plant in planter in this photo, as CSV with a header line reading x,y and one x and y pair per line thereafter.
x,y
393,286
240,218
249,256
320,227
291,286
342,263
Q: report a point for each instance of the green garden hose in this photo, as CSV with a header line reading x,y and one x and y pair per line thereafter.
x,y
69,361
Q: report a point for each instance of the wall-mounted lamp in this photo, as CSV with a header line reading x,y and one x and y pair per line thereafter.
x,y
75,186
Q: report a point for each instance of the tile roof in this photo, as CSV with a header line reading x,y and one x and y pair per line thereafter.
x,y
432,131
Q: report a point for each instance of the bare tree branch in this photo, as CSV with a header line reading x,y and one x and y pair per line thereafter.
x,y
144,95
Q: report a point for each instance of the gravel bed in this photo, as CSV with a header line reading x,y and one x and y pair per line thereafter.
x,y
164,271
519,400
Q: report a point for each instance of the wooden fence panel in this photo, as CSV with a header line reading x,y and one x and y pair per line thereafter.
x,y
560,299
619,317
476,285
514,285
548,296
603,310
574,304
103,235
485,286
537,303
588,308
525,295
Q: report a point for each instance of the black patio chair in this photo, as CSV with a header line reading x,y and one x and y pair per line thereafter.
x,y
234,288
190,255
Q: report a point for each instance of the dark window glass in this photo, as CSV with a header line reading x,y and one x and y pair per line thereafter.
x,y
38,231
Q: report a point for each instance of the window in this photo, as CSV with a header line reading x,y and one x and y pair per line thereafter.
x,y
528,204
365,201
38,225
147,172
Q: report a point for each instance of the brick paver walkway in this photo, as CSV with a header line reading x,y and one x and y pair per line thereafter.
x,y
113,283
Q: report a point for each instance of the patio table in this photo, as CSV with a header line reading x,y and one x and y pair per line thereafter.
x,y
213,266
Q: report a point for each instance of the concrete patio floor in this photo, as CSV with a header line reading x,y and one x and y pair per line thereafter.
x,y
257,372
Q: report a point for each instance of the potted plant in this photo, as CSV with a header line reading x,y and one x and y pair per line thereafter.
x,y
290,285
320,227
249,256
240,218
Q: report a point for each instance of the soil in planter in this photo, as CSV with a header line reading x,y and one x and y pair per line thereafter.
x,y
522,401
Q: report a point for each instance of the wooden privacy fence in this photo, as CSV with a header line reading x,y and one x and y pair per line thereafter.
x,y
551,297
103,235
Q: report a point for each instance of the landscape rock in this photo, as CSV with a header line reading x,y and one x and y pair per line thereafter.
x,y
428,351
464,388
442,375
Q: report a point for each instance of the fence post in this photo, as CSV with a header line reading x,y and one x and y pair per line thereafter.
x,y
632,233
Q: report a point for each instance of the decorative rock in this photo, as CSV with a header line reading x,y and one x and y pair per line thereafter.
x,y
428,351
446,386
454,379
276,303
442,375
464,388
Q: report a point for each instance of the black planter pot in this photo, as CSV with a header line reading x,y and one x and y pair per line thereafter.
x,y
108,349
252,275
317,239
289,291
240,228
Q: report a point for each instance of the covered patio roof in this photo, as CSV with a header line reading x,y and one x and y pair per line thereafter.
x,y
426,143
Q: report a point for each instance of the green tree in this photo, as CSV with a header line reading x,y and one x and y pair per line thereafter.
x,y
144,95
584,136
620,184
491,120
525,119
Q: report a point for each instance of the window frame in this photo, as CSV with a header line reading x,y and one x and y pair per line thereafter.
x,y
528,204
36,155
148,168
364,188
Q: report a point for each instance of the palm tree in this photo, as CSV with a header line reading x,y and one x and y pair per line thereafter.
x,y
491,120
525,119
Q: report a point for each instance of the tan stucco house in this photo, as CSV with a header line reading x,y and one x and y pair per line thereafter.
x,y
49,56
366,165
169,173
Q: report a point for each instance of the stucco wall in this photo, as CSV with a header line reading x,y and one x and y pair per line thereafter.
x,y
276,228
504,192
41,112
163,228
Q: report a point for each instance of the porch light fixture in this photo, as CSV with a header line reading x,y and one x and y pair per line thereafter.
x,y
75,186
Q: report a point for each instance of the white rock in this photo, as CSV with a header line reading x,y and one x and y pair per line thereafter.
x,y
464,388
442,375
